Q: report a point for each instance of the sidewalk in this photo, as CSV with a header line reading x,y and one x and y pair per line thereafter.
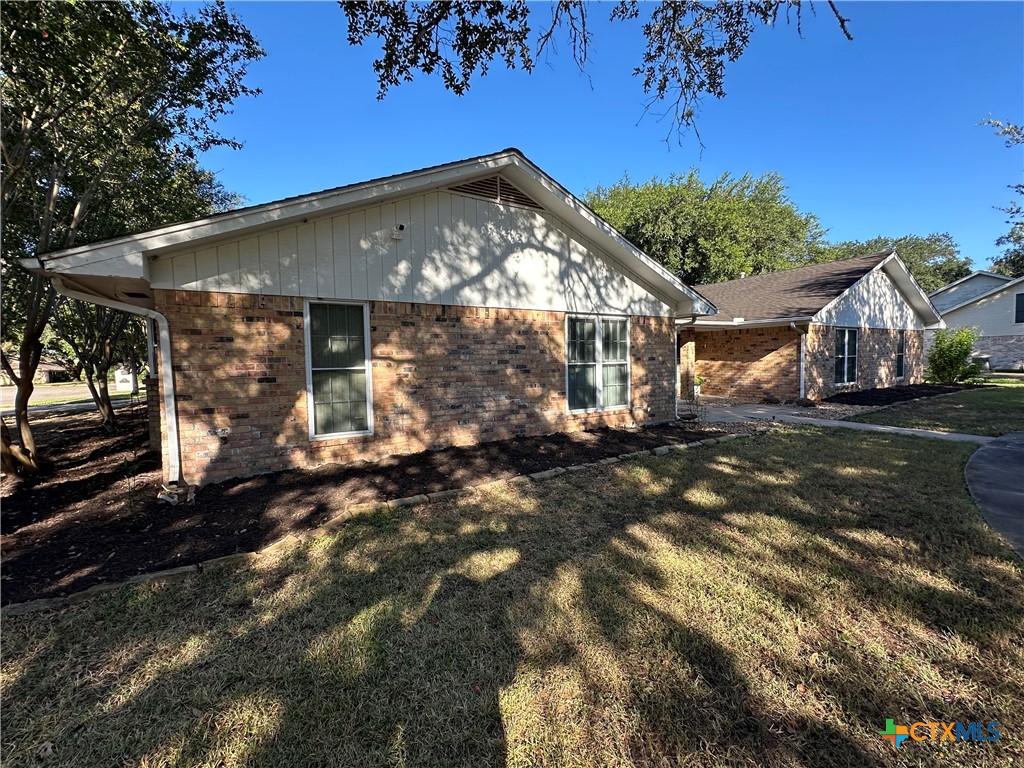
x,y
757,412
995,478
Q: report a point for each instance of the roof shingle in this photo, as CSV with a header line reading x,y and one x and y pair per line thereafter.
x,y
798,292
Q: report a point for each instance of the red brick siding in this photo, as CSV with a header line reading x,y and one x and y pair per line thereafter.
x,y
747,362
442,376
876,360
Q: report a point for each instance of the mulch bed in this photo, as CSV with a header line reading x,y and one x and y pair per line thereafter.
x,y
890,395
95,518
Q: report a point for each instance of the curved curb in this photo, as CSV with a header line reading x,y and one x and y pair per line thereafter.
x,y
994,475
337,522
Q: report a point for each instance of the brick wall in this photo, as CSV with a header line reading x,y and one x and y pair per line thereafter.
x,y
153,412
747,362
876,360
442,376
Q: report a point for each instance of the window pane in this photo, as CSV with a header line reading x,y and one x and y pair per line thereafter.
x,y
339,399
613,339
841,343
1018,314
614,385
582,386
336,336
582,336
851,369
840,370
901,342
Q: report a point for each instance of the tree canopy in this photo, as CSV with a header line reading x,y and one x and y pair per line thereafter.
x,y
1011,262
707,233
688,42
735,227
934,260
105,106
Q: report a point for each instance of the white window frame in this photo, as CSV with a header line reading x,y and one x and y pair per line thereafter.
x,y
901,356
599,362
856,356
310,408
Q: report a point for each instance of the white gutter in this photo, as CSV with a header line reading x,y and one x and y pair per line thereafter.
x,y
803,353
718,325
166,372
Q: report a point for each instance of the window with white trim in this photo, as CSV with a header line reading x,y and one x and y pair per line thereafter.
x,y
339,381
597,361
846,355
901,350
1018,308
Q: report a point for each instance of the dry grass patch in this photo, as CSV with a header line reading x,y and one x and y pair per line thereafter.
x,y
994,411
743,604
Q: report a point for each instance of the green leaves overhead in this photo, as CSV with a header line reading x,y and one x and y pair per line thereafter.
x,y
707,233
688,42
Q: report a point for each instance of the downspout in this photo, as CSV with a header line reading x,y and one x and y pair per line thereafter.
x,y
166,372
803,379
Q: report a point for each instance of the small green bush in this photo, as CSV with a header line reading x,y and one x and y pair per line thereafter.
x,y
949,360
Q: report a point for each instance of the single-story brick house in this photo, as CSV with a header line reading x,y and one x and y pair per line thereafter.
x,y
466,302
810,331
992,303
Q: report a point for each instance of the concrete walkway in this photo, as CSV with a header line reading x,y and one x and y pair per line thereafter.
x,y
995,478
756,412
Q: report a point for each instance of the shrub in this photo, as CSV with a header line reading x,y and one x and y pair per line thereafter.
x,y
949,360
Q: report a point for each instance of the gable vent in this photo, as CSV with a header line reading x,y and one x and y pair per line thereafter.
x,y
497,190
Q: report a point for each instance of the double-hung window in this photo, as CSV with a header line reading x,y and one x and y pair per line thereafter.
x,y
339,374
597,358
1018,308
846,355
901,350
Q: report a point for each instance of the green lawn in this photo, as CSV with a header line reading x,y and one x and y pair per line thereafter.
x,y
767,601
992,411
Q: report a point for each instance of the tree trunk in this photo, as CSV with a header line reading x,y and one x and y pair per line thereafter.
x,y
27,456
105,405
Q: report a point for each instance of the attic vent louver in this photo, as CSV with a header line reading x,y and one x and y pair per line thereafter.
x,y
498,190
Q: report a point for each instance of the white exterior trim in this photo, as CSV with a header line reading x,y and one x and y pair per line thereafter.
x,y
599,362
131,257
310,408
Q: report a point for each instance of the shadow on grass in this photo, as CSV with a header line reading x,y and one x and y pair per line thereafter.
x,y
770,602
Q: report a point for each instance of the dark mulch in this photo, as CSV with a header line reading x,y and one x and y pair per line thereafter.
x,y
95,518
890,395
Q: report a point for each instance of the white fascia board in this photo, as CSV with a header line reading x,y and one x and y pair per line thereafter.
x,y
718,325
971,276
563,203
991,292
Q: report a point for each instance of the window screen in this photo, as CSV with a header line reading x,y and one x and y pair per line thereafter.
x,y
846,355
901,349
597,357
337,341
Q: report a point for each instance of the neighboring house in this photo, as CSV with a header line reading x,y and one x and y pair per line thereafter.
x,y
467,302
810,331
994,304
47,372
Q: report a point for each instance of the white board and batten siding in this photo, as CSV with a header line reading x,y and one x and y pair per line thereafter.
x,y
873,302
455,250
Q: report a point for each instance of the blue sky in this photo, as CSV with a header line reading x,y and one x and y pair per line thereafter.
x,y
875,136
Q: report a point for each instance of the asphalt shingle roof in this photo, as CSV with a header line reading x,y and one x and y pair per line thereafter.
x,y
799,292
